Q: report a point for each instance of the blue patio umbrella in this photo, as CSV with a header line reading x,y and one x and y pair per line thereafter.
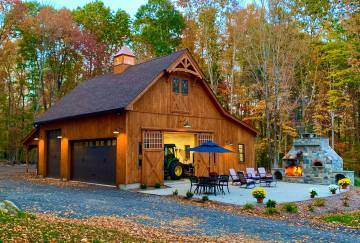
x,y
209,147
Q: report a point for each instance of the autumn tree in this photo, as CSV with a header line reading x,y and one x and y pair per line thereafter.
x,y
157,28
104,33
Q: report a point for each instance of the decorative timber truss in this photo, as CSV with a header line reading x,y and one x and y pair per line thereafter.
x,y
187,65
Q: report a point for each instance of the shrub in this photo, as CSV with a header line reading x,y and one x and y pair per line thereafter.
x,y
271,210
319,202
311,208
248,206
357,181
344,182
345,199
143,186
271,204
313,192
157,185
333,188
290,207
189,194
205,198
258,192
176,192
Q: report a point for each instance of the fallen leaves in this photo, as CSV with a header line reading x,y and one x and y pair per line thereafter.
x,y
150,233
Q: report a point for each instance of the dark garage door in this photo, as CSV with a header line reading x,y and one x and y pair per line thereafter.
x,y
94,161
53,154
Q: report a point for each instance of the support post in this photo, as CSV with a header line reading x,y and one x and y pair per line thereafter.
x,y
27,159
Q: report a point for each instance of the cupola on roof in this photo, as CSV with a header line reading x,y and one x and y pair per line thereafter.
x,y
125,51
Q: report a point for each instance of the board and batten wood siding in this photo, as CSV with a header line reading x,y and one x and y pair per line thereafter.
x,y
154,111
93,127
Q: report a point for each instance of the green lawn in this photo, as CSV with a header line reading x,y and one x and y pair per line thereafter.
x,y
26,227
346,219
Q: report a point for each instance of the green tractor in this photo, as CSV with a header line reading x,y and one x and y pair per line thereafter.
x,y
172,166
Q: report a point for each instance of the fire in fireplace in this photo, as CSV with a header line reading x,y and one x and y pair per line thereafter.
x,y
293,170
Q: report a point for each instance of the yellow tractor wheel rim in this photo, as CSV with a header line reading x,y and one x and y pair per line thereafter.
x,y
178,170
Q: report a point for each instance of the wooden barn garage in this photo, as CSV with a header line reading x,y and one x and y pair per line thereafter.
x,y
111,129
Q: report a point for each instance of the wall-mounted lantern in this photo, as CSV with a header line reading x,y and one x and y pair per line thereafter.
x,y
187,124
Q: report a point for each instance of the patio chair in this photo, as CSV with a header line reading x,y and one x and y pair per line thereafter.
x,y
263,173
213,174
245,181
194,181
224,182
207,185
251,174
266,178
234,176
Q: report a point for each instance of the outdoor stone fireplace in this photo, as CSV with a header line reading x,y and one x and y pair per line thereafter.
x,y
312,160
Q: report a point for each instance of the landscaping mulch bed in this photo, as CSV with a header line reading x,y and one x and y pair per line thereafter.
x,y
310,210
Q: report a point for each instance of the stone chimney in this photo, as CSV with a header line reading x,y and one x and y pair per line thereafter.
x,y
123,59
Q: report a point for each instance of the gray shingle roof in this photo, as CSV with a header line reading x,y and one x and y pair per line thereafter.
x,y
108,92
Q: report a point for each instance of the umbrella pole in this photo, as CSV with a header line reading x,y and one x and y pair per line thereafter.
x,y
209,163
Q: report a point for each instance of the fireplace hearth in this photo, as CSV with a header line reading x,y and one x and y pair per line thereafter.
x,y
312,160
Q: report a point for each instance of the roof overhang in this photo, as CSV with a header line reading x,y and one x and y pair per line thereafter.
x,y
29,140
117,110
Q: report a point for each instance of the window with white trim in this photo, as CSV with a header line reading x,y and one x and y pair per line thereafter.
x,y
153,140
241,153
205,137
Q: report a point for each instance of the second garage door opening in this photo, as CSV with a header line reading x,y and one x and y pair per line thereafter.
x,y
94,161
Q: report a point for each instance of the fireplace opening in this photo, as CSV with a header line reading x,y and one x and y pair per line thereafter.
x,y
317,163
293,170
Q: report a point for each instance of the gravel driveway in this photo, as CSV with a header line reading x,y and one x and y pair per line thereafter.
x,y
156,211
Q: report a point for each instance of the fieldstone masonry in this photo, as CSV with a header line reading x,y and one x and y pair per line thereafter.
x,y
320,163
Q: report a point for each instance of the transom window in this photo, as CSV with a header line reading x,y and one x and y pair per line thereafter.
x,y
153,140
241,152
180,86
205,137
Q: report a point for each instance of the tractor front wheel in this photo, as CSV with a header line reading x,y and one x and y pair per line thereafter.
x,y
175,170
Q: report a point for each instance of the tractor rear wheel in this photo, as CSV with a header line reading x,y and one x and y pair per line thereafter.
x,y
175,170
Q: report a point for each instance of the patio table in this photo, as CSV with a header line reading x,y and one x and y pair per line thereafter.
x,y
212,184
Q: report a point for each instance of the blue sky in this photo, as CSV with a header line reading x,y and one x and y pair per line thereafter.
x,y
130,6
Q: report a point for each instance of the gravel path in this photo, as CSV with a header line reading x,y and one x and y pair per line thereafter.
x,y
75,202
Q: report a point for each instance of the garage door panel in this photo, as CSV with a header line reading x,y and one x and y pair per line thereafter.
x,y
53,154
94,161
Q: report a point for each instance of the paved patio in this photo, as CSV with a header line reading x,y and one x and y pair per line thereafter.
x,y
283,192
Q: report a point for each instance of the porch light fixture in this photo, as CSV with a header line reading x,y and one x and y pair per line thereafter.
x,y
36,139
59,137
187,124
116,131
